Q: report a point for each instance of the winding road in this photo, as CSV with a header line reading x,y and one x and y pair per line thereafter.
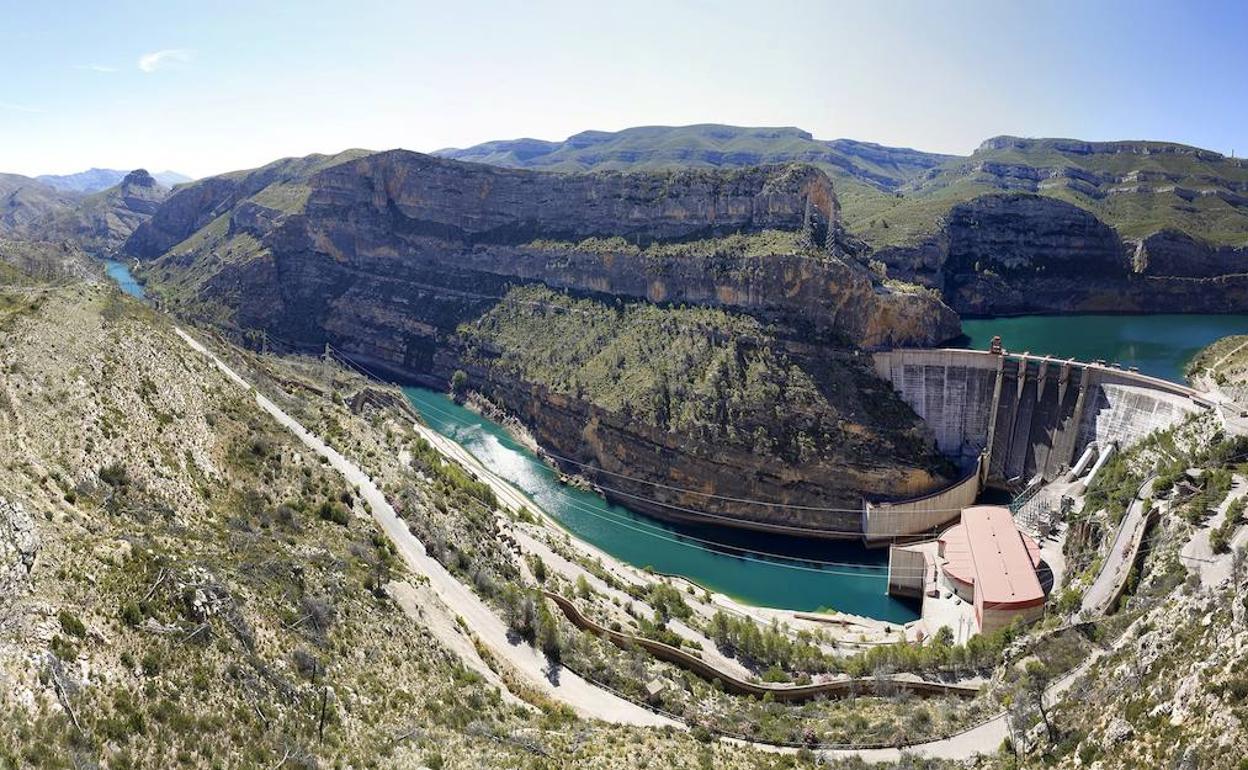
x,y
562,684
1110,581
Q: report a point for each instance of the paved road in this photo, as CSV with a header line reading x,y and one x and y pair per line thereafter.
x,y
585,698
1198,555
571,689
1117,565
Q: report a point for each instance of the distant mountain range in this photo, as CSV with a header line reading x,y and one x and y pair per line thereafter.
x,y
985,231
897,197
97,221
97,179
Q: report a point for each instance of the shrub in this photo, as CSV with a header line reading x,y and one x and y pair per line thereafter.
x,y
459,381
63,648
115,475
332,510
71,625
131,615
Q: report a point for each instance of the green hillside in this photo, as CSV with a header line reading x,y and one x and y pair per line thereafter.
x,y
1138,187
891,196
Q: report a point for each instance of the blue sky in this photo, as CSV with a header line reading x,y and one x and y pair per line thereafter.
x,y
209,87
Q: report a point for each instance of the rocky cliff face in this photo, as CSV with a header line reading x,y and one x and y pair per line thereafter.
x,y
391,253
1022,253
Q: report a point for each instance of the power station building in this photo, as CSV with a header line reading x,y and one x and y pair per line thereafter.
x,y
985,560
990,563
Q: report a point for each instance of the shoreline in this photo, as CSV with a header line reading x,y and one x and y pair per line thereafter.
x,y
512,498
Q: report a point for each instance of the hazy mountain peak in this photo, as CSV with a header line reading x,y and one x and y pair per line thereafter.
x,y
96,179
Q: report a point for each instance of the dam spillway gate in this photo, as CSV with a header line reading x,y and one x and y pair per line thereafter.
x,y
1013,419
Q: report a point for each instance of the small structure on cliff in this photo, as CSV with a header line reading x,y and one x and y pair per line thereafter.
x,y
984,559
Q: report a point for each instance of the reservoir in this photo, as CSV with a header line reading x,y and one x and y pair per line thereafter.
x,y
793,573
1159,345
120,272
787,572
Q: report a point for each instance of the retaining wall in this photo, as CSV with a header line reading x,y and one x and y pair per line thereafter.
x,y
731,684
884,522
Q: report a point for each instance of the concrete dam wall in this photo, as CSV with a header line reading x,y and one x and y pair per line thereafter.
x,y
1032,416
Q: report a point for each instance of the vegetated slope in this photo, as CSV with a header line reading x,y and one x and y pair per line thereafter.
x,y
1171,690
702,399
182,582
97,223
1222,366
25,201
102,221
1139,188
46,262
386,256
100,179
1172,219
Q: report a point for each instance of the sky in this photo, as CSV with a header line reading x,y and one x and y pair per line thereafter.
x,y
208,87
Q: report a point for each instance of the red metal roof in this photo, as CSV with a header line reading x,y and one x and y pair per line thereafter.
x,y
988,551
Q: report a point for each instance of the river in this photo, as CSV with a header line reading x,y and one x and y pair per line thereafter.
x,y
726,560
773,570
854,580
120,273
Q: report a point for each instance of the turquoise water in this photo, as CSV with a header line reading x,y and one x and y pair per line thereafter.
x,y
854,582
120,272
772,570
1159,345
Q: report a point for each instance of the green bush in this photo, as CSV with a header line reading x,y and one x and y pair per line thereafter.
x,y
71,625
332,510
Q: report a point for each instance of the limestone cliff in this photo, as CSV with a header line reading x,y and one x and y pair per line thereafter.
x,y
1024,253
386,256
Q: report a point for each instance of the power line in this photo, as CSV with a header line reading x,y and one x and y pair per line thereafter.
x,y
748,501
681,538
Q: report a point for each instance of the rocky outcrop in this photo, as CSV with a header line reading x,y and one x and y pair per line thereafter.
x,y
98,223
193,206
102,222
19,544
186,211
409,194
1080,147
1171,253
1021,253
409,223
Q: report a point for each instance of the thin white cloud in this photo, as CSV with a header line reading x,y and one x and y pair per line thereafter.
x,y
95,67
12,107
150,62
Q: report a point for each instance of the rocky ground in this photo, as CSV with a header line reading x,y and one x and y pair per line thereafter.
x,y
187,585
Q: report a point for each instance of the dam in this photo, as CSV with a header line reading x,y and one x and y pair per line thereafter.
x,y
1015,420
